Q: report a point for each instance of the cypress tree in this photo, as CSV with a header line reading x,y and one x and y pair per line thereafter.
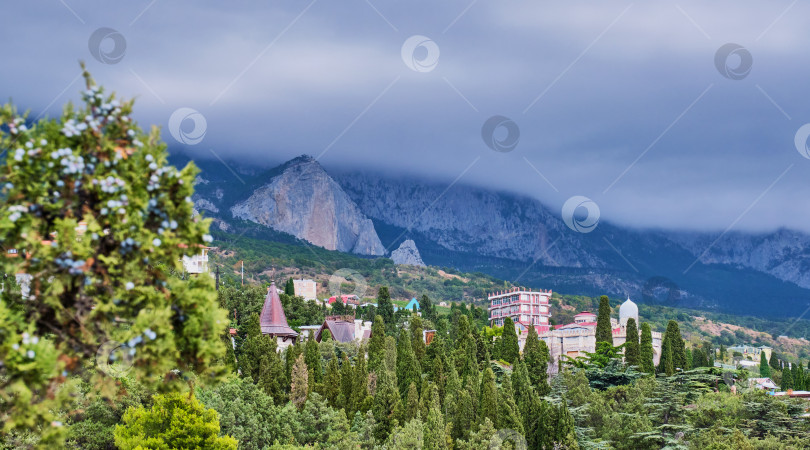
x,y
313,360
508,413
408,371
289,288
764,368
428,308
774,361
510,350
797,373
346,397
271,377
482,352
299,388
646,355
291,354
390,361
411,410
464,417
536,356
488,405
787,379
360,385
604,329
673,335
434,431
417,338
666,364
332,386
564,428
631,346
386,406
376,344
385,308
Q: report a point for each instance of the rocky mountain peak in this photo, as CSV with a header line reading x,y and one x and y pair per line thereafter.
x,y
407,253
303,200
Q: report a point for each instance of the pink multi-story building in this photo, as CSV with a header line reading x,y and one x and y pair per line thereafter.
x,y
525,308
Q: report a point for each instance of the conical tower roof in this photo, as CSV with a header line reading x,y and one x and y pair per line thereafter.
x,y
272,319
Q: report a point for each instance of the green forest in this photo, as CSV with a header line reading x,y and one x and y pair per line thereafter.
x,y
102,347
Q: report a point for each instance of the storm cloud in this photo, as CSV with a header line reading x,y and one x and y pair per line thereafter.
x,y
638,106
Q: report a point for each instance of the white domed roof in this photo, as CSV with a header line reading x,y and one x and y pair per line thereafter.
x,y
628,310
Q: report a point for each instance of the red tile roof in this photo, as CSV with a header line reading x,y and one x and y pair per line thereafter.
x,y
272,319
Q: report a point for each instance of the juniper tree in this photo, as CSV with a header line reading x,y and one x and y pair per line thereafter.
x,y
604,329
359,398
289,288
631,345
646,355
102,221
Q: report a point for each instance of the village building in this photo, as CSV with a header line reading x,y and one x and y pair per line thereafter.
x,y
523,306
306,289
197,263
530,308
344,329
751,352
348,300
273,321
413,303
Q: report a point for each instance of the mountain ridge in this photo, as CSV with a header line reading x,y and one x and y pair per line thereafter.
x,y
518,237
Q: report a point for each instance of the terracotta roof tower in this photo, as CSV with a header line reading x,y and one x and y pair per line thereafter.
x,y
272,319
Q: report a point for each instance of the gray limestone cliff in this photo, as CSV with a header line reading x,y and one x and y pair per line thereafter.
x,y
407,253
304,201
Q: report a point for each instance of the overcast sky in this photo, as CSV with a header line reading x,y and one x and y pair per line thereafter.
x,y
617,101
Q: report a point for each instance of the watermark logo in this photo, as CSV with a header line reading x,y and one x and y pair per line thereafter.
x,y
500,134
184,117
348,275
420,53
507,435
725,58
580,214
661,290
107,45
114,359
800,140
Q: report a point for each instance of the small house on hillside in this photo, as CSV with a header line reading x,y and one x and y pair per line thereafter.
x,y
344,329
273,321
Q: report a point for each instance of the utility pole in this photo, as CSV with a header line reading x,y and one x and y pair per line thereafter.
x,y
243,272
